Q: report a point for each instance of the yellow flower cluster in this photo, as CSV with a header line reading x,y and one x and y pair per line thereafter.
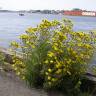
x,y
19,67
31,30
15,44
64,52
68,49
24,36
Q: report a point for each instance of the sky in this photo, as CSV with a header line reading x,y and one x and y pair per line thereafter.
x,y
48,4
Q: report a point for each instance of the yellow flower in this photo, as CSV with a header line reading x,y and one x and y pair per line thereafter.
x,y
58,65
81,55
60,33
24,36
46,73
53,39
50,54
55,48
87,45
14,44
31,30
78,39
55,58
74,53
79,45
49,70
61,51
23,77
46,62
68,49
65,37
49,78
55,23
81,34
18,73
49,83
51,61
55,44
27,42
69,61
33,46
15,68
58,71
54,79
13,65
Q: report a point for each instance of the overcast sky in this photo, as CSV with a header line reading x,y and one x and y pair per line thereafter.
x,y
47,4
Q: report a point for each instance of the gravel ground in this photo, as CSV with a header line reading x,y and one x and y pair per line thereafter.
x,y
11,86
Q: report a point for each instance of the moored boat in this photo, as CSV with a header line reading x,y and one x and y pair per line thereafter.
x,y
21,14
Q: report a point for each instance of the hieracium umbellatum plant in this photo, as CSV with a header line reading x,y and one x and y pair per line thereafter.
x,y
54,55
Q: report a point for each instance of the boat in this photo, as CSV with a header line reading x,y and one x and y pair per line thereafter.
x,y
21,14
80,13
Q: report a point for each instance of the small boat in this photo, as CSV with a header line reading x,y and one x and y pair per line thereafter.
x,y
21,14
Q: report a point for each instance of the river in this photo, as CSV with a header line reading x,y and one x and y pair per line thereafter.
x,y
12,25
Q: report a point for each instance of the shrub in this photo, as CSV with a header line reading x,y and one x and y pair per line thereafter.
x,y
54,56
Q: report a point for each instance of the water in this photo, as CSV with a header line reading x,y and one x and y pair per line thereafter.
x,y
12,25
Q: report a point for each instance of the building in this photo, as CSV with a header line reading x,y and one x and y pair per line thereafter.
x,y
80,13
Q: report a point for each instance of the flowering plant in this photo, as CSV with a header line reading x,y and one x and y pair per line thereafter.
x,y
54,54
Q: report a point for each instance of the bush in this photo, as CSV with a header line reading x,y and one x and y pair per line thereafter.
x,y
54,56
